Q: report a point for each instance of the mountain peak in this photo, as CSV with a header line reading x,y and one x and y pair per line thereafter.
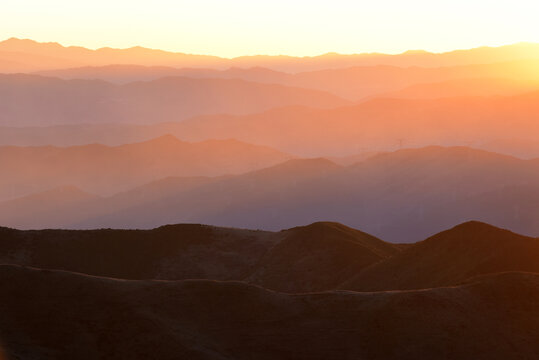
x,y
164,140
474,229
16,44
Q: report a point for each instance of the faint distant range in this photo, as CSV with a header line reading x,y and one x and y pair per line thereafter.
x,y
37,100
105,170
505,124
18,55
401,196
353,83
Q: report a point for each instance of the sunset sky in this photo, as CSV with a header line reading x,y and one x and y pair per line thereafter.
x,y
300,28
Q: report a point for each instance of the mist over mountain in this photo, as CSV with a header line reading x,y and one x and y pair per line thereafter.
x,y
36,101
401,196
375,125
105,170
161,205
353,83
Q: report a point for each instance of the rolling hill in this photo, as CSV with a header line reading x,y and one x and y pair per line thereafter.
x,y
201,319
451,257
316,257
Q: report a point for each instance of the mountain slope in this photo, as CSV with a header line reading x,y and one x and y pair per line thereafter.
x,y
107,170
230,320
311,258
378,124
403,196
466,87
353,83
171,252
315,257
451,257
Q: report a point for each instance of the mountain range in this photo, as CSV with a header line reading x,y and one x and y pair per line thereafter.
x,y
37,100
381,124
352,83
363,206
105,170
400,196
24,55
318,257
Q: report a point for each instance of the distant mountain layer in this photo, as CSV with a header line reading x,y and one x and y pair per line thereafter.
x,y
402,196
353,83
378,124
106,170
37,100
374,125
22,55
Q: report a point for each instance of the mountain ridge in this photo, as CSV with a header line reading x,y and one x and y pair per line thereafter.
x,y
225,316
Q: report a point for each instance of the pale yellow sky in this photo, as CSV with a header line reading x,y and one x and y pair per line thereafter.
x,y
241,27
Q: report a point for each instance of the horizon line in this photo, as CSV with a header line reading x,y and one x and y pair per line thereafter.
x,y
329,53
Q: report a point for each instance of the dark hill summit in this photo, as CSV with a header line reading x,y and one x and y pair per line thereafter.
x,y
450,257
310,258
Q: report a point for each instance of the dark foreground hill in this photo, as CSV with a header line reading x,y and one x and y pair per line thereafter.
x,y
318,257
310,258
61,315
450,257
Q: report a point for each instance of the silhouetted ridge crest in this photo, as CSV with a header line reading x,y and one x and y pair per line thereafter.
x,y
450,257
166,139
299,164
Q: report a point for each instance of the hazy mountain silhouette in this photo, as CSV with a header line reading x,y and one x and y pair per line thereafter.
x,y
375,125
123,74
353,83
27,55
465,87
36,100
525,149
402,196
50,208
107,170
379,124
450,257
200,319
